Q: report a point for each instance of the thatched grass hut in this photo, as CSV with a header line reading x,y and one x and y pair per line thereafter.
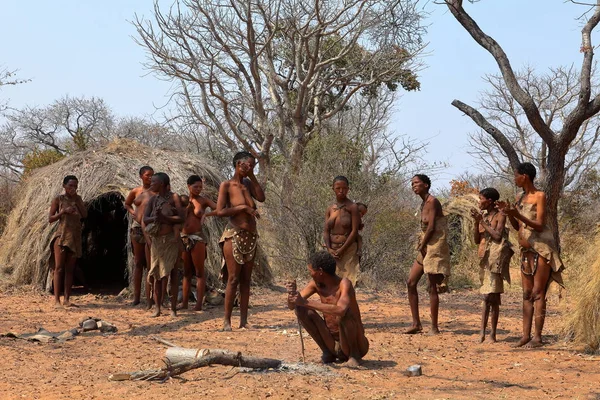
x,y
105,177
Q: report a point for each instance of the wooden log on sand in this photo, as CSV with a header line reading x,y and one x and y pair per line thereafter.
x,y
180,360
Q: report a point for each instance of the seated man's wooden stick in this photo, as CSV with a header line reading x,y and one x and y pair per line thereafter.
x,y
291,287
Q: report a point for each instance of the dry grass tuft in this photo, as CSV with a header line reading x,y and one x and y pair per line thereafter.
x,y
24,248
582,319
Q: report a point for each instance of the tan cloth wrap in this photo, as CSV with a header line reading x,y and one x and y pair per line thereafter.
x,y
542,243
437,252
495,264
69,229
348,265
164,254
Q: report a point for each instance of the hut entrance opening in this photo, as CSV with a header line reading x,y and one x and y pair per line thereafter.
x,y
104,259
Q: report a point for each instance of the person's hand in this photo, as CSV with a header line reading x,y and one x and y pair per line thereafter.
x,y
71,210
252,211
333,253
299,300
476,215
505,208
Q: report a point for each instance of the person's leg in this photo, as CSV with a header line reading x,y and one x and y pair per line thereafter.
x,y
150,280
245,279
353,342
527,283
315,326
59,270
188,270
538,297
495,307
158,295
198,257
434,300
485,312
174,289
139,257
69,268
233,280
415,274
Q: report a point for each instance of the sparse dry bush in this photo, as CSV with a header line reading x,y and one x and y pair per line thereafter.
x,y
292,232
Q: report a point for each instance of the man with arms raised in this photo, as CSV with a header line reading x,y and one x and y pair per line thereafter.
x,y
340,332
239,240
139,197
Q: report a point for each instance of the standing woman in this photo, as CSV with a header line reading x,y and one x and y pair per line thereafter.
x,y
342,220
540,261
433,254
65,247
494,252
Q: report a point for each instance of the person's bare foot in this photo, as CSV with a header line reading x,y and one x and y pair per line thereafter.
x,y
534,343
135,303
183,306
327,358
352,363
68,304
414,329
149,305
57,304
523,341
173,313
156,312
245,326
226,326
491,339
198,307
482,338
434,331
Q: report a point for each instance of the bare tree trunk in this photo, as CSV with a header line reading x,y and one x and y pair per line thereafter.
x,y
552,185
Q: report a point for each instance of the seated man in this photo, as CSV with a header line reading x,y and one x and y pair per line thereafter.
x,y
340,333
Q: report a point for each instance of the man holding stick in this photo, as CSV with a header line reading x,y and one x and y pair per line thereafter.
x,y
340,332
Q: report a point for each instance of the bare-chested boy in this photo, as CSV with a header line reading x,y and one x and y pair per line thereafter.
x,y
340,332
138,197
162,212
239,240
194,242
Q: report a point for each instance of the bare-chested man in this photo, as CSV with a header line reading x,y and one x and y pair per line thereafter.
x,y
139,197
194,242
161,214
340,332
239,240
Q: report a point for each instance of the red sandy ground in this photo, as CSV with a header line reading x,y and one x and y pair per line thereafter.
x,y
454,365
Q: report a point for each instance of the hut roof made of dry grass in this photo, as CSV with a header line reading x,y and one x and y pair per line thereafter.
x,y
24,248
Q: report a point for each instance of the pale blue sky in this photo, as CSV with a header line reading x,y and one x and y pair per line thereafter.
x,y
85,48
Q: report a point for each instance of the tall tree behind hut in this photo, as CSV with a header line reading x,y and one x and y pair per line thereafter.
x,y
267,74
559,134
34,137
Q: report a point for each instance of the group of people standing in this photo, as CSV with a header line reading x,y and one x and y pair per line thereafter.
x,y
166,230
